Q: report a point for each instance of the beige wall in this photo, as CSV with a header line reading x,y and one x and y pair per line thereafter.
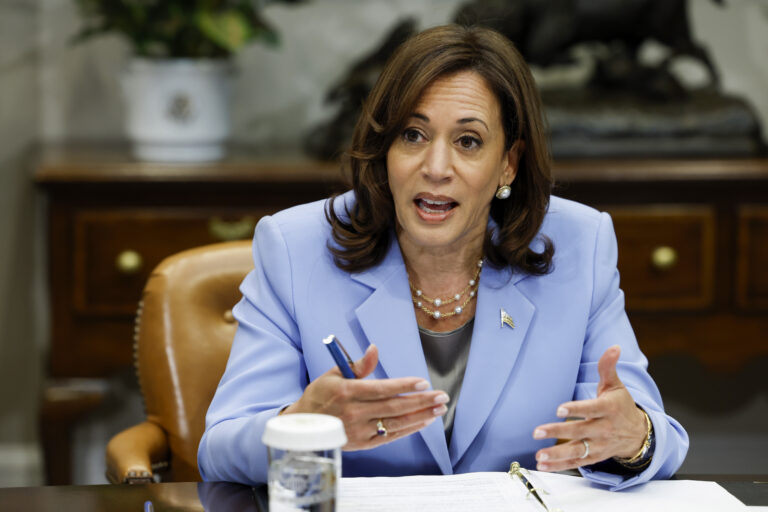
x,y
19,274
737,37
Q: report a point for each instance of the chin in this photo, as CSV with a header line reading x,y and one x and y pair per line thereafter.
x,y
433,237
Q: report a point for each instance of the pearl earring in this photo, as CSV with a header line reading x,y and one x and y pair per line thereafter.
x,y
504,192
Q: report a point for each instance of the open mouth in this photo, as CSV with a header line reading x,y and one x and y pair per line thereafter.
x,y
434,205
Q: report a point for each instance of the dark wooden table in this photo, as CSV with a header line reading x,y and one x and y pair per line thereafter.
x,y
178,496
752,490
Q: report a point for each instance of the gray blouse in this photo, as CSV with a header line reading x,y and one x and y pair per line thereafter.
x,y
446,354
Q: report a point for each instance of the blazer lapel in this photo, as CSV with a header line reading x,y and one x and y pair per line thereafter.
x,y
387,318
492,355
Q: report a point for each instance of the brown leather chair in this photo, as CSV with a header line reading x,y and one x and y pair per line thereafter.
x,y
184,331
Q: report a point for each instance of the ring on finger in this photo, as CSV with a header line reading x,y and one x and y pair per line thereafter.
x,y
586,449
381,430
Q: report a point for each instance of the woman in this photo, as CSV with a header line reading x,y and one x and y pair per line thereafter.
x,y
447,264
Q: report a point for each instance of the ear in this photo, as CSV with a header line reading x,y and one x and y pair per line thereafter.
x,y
511,162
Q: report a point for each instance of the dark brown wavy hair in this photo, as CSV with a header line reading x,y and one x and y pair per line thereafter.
x,y
362,234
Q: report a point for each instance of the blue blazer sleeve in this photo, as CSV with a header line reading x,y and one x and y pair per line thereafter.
x,y
608,325
265,371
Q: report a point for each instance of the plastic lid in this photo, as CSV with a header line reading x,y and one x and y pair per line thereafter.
x,y
305,432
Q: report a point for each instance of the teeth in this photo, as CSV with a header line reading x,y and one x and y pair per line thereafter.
x,y
436,203
434,206
430,210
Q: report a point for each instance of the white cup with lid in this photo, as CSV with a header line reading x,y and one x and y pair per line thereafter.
x,y
304,461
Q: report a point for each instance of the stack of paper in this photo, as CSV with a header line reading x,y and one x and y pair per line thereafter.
x,y
490,492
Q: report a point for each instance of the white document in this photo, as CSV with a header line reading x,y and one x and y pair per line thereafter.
x,y
447,493
491,492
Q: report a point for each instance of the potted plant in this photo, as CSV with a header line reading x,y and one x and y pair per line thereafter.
x,y
177,85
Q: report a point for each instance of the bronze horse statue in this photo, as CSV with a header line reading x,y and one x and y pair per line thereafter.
x,y
544,31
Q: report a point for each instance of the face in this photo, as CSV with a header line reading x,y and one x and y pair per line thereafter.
x,y
447,163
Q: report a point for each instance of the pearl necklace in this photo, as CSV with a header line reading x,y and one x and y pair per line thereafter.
x,y
419,298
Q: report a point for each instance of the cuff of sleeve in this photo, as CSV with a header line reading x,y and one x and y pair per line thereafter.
x,y
233,451
615,481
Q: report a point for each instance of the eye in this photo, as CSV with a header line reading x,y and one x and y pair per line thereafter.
x,y
412,135
469,142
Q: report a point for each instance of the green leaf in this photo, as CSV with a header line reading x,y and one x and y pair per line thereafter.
x,y
263,30
229,29
268,36
179,28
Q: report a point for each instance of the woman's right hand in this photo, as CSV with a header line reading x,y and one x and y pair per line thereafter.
x,y
403,404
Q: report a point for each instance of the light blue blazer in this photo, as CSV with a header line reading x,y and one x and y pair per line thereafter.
x,y
515,378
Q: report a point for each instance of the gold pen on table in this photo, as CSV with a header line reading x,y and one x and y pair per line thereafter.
x,y
516,471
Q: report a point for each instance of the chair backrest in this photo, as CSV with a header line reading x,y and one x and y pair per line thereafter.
x,y
184,333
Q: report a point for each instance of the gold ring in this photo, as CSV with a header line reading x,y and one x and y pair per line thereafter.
x,y
380,429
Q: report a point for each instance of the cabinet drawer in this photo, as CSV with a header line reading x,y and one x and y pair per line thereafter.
x,y
115,250
666,256
752,263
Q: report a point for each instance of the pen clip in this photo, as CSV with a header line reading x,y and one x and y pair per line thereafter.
x,y
515,470
344,351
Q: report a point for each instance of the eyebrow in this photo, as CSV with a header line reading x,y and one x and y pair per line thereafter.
x,y
463,120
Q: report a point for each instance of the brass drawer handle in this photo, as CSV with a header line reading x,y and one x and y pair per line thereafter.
x,y
231,230
664,258
129,262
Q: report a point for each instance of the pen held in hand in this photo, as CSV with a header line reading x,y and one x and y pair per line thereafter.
x,y
340,356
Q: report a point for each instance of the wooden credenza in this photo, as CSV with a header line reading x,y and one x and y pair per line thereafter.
x,y
693,251
693,243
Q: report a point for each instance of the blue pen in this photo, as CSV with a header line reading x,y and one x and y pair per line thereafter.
x,y
340,356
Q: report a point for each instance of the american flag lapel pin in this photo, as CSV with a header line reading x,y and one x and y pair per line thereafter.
x,y
506,319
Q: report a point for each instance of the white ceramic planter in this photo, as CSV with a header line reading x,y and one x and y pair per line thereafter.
x,y
178,110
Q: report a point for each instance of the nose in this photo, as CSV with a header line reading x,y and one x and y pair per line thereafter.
x,y
438,161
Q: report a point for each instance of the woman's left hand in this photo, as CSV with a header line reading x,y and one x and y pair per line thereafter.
x,y
611,424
